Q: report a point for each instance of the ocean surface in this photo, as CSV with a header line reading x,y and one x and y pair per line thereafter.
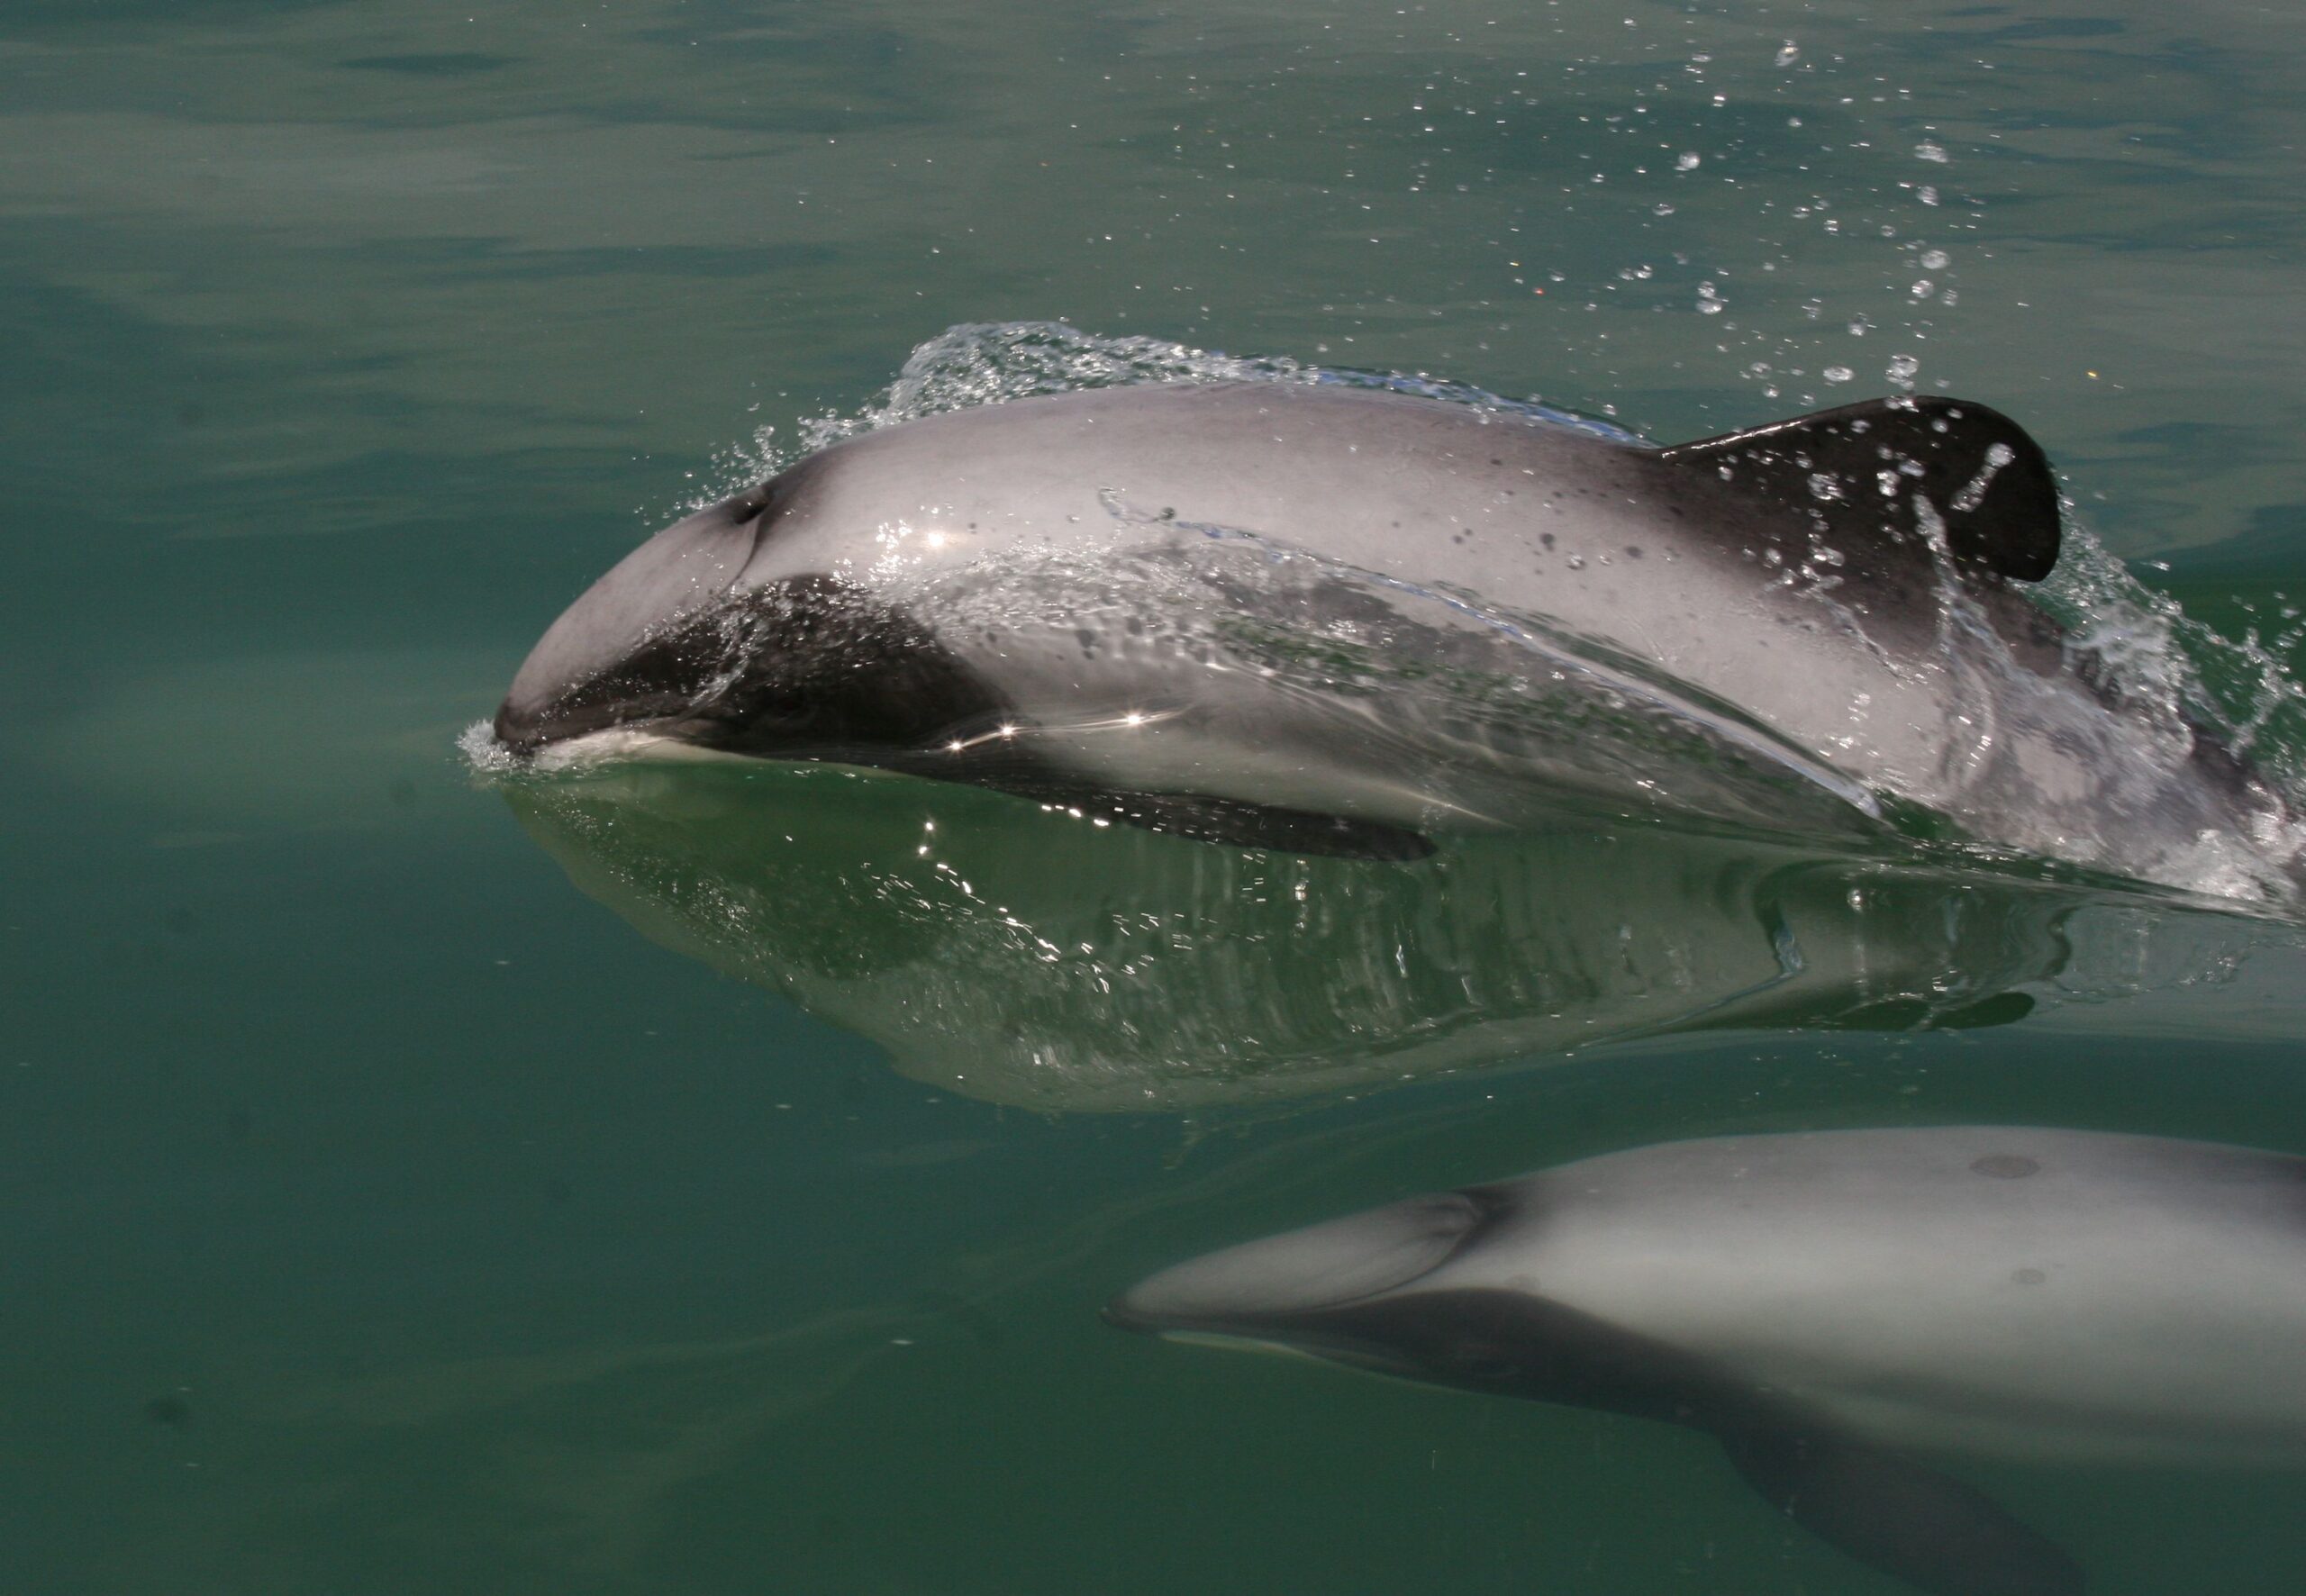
x,y
422,1176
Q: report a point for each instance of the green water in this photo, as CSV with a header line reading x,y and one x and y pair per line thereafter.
x,y
394,1204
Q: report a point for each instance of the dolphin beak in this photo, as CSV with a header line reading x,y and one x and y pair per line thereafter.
x,y
1244,1287
1122,1315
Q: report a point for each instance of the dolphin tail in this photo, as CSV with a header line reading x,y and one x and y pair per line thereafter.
x,y
1892,1514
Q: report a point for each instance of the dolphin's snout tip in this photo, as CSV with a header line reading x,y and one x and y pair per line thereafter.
x,y
525,727
515,733
1122,1316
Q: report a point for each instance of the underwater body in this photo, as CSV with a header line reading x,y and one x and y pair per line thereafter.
x,y
1835,1309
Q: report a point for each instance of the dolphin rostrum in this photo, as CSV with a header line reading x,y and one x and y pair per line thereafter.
x,y
1836,1308
1338,619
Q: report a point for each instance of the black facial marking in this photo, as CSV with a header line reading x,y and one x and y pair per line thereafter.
x,y
813,667
807,666
1512,1344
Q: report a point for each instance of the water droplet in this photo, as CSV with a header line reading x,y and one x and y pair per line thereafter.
x,y
1687,161
1836,374
1936,259
1928,150
1661,209
1788,53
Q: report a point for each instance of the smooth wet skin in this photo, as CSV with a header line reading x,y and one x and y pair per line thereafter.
x,y
994,596
1837,1307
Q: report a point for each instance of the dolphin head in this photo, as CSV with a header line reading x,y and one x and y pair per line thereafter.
x,y
678,642
1280,1288
636,647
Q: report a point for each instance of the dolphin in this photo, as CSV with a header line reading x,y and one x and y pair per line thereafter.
x,y
1837,1307
1333,618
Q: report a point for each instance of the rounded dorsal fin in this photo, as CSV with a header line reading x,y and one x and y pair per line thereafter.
x,y
1988,482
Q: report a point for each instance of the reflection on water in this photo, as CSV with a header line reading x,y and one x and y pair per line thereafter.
x,y
1014,952
1833,1307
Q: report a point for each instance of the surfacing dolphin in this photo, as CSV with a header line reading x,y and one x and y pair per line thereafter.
x,y
1221,609
1830,1306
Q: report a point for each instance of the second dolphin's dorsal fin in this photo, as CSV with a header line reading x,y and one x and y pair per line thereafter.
x,y
1987,481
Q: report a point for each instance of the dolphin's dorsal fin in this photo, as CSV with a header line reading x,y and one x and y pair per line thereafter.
x,y
1987,481
1892,1513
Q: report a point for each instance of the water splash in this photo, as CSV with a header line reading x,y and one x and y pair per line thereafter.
x,y
482,750
993,363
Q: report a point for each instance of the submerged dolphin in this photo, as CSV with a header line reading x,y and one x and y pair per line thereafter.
x,y
1221,608
1829,1305
1022,956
